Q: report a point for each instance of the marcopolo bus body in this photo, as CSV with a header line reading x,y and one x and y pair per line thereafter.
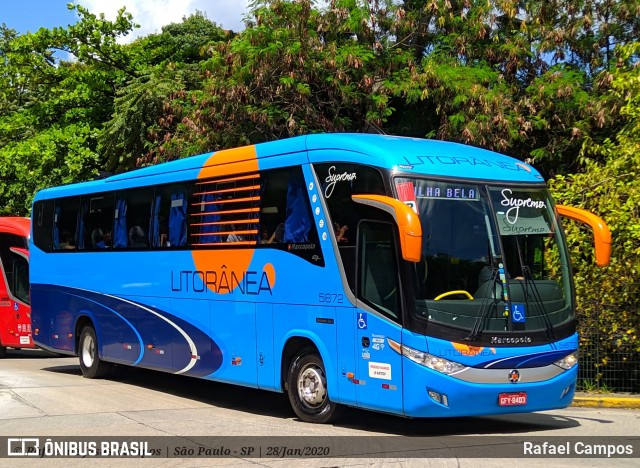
x,y
414,277
15,313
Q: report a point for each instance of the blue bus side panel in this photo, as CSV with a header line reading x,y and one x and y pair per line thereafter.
x,y
348,352
379,370
234,327
315,323
53,324
268,362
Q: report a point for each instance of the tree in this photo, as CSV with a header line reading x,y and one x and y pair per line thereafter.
x,y
166,64
608,299
54,109
294,70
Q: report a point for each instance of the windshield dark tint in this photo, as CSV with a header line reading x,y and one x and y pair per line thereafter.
x,y
491,258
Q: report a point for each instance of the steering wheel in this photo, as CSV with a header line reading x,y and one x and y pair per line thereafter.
x,y
451,293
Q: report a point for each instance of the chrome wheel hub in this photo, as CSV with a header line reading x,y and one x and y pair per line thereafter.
x,y
312,386
88,350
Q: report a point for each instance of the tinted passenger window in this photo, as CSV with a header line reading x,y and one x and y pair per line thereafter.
x,y
42,220
67,224
226,211
170,211
270,209
133,219
339,182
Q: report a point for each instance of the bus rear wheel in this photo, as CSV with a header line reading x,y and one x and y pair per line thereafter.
x,y
307,389
3,351
90,363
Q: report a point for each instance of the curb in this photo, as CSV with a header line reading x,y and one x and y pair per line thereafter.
x,y
593,401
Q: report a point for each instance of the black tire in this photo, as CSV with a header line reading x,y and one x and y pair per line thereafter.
x,y
90,363
3,351
307,389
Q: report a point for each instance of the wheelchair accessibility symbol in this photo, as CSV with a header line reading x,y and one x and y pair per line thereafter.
x,y
362,321
518,313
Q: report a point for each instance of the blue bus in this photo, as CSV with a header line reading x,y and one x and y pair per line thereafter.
x,y
407,276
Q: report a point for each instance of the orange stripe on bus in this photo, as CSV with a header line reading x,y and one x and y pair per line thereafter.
x,y
221,233
246,210
218,223
236,189
222,202
229,179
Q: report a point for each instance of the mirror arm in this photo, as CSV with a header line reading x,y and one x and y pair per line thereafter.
x,y
601,233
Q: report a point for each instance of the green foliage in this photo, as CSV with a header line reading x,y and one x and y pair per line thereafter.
x,y
294,70
608,298
49,157
592,386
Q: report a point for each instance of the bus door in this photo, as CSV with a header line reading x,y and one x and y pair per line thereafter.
x,y
15,321
378,320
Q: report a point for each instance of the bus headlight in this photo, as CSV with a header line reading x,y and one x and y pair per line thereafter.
x,y
568,361
429,360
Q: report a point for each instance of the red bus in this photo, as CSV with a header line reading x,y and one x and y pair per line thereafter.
x,y
15,311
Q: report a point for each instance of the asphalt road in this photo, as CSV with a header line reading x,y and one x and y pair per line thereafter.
x,y
46,396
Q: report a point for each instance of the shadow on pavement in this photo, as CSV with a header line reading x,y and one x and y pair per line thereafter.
x,y
276,405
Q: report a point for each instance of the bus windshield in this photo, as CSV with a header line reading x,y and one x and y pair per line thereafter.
x,y
492,259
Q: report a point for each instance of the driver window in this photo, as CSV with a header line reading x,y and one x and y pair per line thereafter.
x,y
378,283
20,286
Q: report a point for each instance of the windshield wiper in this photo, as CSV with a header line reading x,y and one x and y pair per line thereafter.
x,y
485,308
530,285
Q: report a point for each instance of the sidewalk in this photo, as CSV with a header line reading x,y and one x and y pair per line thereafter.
x,y
606,400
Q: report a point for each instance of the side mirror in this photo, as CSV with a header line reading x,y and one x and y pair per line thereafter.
x,y
406,219
601,233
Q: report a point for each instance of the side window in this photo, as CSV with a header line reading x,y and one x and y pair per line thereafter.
x,y
42,220
378,280
339,181
270,209
286,220
132,227
169,216
67,224
273,207
98,211
226,211
20,286
14,267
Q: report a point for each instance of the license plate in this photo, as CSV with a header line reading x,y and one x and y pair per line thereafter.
x,y
512,399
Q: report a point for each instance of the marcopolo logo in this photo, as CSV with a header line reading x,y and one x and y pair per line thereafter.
x,y
23,447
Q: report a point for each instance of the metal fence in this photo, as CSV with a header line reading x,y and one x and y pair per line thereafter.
x,y
609,349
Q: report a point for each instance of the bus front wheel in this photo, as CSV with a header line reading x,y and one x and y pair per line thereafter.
x,y
307,389
3,351
90,363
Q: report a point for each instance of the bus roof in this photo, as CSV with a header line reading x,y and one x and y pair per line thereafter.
x,y
411,156
424,157
15,225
